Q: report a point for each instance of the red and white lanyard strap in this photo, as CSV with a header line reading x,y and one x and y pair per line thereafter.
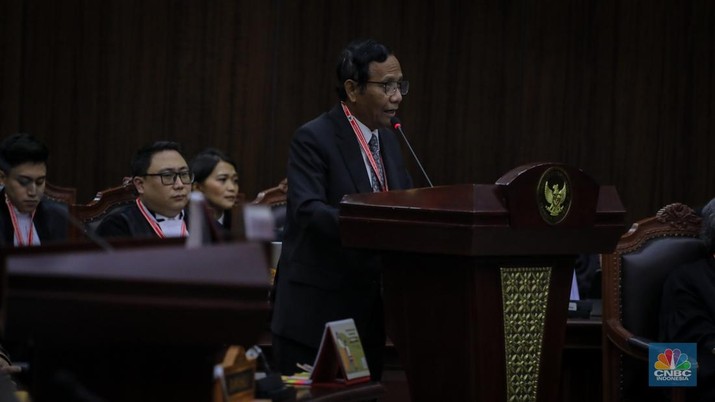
x,y
16,226
366,148
154,224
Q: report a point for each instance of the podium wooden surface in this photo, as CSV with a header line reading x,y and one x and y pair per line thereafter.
x,y
142,324
477,280
369,391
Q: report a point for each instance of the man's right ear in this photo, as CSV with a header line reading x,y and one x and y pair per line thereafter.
x,y
351,89
138,184
2,178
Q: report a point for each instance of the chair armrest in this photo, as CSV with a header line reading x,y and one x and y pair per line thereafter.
x,y
640,343
625,341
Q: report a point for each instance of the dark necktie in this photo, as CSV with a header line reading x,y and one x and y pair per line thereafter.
x,y
373,144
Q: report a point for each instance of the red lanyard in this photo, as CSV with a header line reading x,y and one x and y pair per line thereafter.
x,y
154,224
16,226
365,148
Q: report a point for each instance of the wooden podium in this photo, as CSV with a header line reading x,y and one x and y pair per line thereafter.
x,y
477,277
140,324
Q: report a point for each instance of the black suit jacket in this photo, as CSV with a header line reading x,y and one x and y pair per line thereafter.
x,y
127,222
50,221
318,280
687,314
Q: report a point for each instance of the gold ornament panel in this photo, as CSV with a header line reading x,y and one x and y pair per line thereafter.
x,y
525,294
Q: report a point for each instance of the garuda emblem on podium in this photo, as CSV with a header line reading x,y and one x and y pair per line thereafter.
x,y
553,195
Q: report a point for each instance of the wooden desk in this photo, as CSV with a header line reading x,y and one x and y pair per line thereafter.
x,y
581,378
580,368
583,333
353,393
137,324
358,392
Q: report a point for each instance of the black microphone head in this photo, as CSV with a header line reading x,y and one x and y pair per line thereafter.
x,y
395,122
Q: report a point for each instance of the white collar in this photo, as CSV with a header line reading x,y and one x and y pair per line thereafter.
x,y
365,130
26,225
160,218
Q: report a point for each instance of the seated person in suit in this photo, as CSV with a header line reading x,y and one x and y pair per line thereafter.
x,y
687,311
215,176
26,217
588,276
162,179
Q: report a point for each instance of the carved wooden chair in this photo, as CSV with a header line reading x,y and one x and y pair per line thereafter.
x,y
274,195
66,195
633,277
276,198
91,214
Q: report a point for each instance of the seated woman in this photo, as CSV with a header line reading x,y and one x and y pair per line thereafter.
x,y
687,311
216,177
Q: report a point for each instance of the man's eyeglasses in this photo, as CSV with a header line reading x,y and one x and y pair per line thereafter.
x,y
169,178
391,87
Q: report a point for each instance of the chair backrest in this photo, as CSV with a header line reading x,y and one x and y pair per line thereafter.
x,y
276,198
274,195
66,195
633,277
91,214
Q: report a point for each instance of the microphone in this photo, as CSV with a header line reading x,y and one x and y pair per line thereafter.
x,y
398,126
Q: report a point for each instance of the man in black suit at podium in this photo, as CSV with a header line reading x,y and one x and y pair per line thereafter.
x,y
344,151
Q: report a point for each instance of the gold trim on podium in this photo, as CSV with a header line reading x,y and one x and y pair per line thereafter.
x,y
525,293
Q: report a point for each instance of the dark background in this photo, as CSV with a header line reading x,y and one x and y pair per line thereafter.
x,y
624,90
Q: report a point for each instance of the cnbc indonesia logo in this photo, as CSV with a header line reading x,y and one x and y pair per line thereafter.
x,y
672,366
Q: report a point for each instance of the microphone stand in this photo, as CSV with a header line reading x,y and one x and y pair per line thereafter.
x,y
398,126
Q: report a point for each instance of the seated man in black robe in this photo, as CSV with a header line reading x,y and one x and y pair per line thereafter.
x,y
688,308
27,218
163,180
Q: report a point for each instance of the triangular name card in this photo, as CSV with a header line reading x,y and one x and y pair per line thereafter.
x,y
341,359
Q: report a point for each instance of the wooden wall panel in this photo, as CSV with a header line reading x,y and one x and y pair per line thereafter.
x,y
624,90
112,76
10,62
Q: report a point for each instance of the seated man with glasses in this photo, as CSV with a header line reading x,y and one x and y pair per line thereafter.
x,y
163,180
26,217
